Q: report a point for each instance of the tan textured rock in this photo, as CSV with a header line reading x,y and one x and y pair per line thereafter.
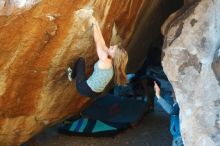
x,y
191,62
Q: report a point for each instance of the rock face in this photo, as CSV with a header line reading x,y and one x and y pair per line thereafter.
x,y
8,7
37,45
40,38
192,64
147,33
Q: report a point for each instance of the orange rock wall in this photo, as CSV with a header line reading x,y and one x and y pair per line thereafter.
x,y
40,38
37,45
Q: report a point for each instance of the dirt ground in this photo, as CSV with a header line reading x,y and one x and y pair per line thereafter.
x,y
153,130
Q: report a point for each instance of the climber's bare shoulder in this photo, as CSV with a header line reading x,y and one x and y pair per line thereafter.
x,y
105,62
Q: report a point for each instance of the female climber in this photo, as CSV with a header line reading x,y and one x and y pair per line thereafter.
x,y
111,62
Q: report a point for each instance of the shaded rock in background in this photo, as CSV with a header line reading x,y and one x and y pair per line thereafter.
x,y
147,34
191,40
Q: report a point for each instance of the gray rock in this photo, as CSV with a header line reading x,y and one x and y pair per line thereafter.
x,y
192,64
216,65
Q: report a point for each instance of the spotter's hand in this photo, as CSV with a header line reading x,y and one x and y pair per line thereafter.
x,y
156,89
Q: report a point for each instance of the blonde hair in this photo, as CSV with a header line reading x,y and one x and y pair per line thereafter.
x,y
120,61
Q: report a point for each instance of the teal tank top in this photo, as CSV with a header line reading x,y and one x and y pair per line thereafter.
x,y
100,78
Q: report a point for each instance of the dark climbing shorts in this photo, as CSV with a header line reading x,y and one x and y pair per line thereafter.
x,y
81,79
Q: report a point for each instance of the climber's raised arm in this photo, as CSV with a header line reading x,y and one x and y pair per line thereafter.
x,y
99,41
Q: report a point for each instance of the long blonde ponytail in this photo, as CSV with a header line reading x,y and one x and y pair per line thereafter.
x,y
120,61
